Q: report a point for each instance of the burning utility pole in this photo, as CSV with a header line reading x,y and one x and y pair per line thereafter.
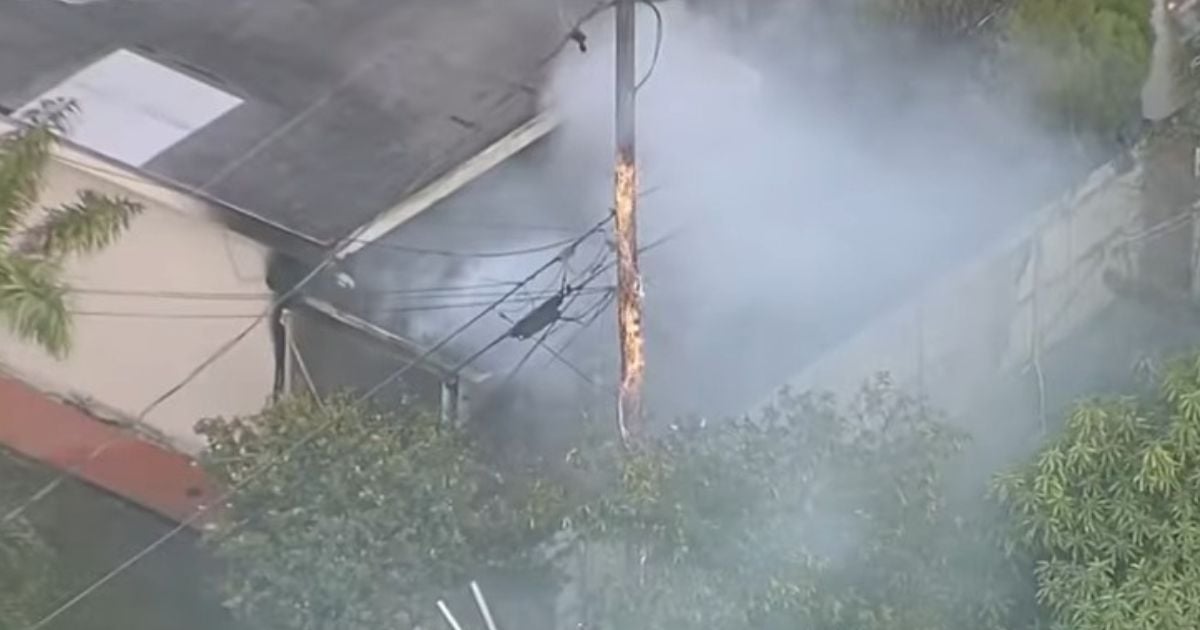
x,y
629,282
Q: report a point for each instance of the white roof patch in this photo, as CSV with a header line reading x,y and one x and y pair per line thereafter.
x,y
132,109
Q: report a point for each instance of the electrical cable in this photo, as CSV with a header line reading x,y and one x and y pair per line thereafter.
x,y
453,254
540,343
518,299
596,262
658,42
467,290
327,260
592,313
316,432
310,436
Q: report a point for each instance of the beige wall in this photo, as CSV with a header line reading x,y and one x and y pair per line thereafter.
x,y
951,341
128,349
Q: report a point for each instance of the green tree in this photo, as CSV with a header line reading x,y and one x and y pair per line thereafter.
x,y
36,241
25,572
363,520
811,515
1088,60
1110,511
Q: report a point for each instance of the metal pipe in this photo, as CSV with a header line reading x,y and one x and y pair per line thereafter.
x,y
448,616
484,610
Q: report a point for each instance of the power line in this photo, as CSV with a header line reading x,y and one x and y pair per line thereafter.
x,y
325,262
266,466
549,329
316,432
658,42
520,299
589,317
435,291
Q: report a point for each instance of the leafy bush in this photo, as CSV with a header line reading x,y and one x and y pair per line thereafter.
x,y
25,569
1110,511
1088,58
364,525
808,516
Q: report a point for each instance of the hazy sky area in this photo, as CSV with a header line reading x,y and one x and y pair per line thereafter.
x,y
817,184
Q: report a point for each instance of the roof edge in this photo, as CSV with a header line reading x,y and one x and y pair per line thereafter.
x,y
363,326
171,192
451,182
68,438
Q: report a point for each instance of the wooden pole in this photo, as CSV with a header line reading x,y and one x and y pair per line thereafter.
x,y
629,284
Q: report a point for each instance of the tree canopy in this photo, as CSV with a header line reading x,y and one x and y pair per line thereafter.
x,y
1088,59
812,513
1110,510
26,563
364,525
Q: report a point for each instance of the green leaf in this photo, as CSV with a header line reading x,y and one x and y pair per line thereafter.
x,y
33,302
91,223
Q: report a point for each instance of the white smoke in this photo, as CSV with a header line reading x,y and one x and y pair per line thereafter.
x,y
815,189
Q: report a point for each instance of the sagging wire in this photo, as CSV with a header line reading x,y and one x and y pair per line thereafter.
x,y
576,34
327,261
292,448
658,42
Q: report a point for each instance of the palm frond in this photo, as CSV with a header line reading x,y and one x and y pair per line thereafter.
x,y
24,154
33,301
86,225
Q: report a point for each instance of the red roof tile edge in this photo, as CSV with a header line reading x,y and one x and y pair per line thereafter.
x,y
128,465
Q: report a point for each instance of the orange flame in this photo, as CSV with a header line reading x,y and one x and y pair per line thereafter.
x,y
629,302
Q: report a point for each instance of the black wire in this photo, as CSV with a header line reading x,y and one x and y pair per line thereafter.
x,y
433,291
540,343
471,322
520,299
309,437
658,42
596,310
325,262
463,291
453,254
525,357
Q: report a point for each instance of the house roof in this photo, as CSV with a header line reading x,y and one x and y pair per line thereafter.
x,y
346,106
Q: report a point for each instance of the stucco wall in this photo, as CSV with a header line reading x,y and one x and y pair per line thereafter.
x,y
150,308
978,322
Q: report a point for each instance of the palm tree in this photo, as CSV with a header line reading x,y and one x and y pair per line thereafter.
x,y
35,241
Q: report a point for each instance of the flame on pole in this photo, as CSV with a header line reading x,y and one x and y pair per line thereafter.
x,y
629,283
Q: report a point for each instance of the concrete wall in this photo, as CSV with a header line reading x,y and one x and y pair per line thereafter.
x,y
1009,306
207,284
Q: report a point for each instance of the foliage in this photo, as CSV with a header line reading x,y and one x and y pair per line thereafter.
x,y
808,516
941,19
365,523
1088,58
1111,510
25,562
34,242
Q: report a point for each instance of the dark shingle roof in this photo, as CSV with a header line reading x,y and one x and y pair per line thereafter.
x,y
391,93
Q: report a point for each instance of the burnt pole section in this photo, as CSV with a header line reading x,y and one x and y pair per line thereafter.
x,y
629,282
